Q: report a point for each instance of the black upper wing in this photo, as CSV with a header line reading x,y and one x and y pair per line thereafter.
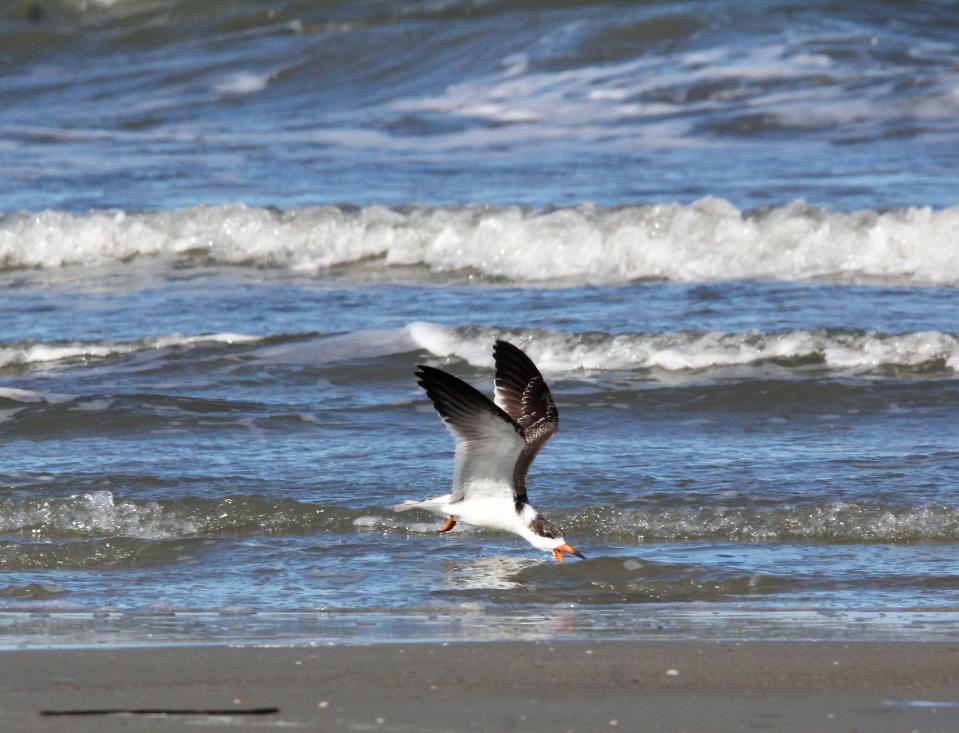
x,y
524,395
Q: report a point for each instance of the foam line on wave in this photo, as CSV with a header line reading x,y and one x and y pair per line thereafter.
x,y
25,353
101,514
560,351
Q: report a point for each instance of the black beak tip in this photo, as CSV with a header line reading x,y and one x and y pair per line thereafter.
x,y
580,555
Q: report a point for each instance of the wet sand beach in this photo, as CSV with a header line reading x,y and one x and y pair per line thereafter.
x,y
573,686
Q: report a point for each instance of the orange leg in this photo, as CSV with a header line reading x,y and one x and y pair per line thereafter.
x,y
557,556
450,523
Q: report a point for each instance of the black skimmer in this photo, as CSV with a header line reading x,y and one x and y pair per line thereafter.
x,y
496,441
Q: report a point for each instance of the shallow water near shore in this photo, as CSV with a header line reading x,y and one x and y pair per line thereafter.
x,y
197,472
733,256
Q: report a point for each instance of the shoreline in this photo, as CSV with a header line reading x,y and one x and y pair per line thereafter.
x,y
87,629
477,686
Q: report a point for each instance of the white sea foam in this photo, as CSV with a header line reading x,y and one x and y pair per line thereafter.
x,y
241,83
559,351
704,241
38,353
95,513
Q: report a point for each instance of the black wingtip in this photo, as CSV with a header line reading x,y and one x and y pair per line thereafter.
x,y
426,373
502,345
456,401
505,349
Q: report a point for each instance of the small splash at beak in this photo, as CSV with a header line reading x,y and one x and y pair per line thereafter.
x,y
558,553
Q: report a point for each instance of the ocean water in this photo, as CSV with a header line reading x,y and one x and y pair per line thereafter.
x,y
728,234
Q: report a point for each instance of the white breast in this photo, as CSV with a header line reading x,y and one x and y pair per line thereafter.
x,y
490,511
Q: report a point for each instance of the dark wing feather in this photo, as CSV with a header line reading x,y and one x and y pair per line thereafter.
x,y
523,394
488,441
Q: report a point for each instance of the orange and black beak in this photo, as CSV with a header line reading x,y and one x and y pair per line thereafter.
x,y
558,553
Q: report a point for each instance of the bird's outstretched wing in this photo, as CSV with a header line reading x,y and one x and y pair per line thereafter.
x,y
524,395
488,441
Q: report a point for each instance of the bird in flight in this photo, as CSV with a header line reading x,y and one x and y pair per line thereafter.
x,y
496,441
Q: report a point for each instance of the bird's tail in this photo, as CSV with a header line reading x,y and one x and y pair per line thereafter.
x,y
434,505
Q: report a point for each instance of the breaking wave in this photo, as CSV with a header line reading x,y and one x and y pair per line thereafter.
x,y
849,351
102,515
831,522
707,240
558,351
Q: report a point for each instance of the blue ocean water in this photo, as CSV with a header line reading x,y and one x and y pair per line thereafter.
x,y
229,232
